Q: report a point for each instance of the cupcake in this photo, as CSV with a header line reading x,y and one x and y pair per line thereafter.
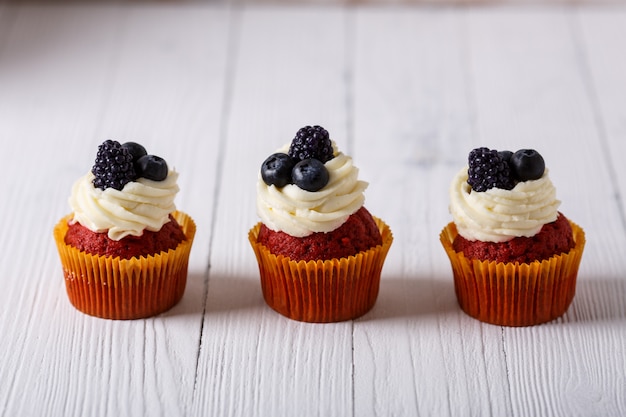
x,y
514,256
320,252
124,247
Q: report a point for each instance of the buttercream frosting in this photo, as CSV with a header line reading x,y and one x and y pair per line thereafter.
x,y
141,204
499,215
300,213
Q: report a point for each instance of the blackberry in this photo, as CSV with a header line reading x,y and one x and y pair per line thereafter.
x,y
311,142
487,169
113,167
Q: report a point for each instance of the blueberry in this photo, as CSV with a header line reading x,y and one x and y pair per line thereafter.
x,y
152,167
506,156
135,149
527,164
276,169
310,175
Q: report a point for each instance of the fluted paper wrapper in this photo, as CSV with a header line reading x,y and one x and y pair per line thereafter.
x,y
515,294
322,291
115,288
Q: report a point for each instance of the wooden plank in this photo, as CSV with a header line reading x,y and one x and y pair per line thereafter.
x,y
46,112
416,353
72,77
599,33
407,92
530,62
169,91
287,73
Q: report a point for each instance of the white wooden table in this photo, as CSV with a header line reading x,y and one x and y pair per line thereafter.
x,y
407,91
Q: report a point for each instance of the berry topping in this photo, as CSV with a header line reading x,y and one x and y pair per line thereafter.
x,y
310,175
113,167
311,142
506,156
152,167
527,164
276,169
135,149
487,170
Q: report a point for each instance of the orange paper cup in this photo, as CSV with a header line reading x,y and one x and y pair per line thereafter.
x,y
114,288
515,294
322,291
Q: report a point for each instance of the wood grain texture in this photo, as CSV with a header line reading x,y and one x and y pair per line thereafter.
x,y
417,354
74,77
597,31
549,105
253,361
214,89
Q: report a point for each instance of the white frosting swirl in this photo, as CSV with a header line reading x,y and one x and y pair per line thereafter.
x,y
498,215
300,213
141,204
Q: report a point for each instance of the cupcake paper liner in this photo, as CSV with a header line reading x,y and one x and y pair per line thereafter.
x,y
515,294
114,288
322,291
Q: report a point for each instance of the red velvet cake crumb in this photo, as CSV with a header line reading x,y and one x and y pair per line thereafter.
x,y
553,239
359,233
149,243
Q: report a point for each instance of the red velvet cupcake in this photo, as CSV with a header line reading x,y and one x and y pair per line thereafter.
x,y
357,234
553,238
83,239
125,248
515,258
320,252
